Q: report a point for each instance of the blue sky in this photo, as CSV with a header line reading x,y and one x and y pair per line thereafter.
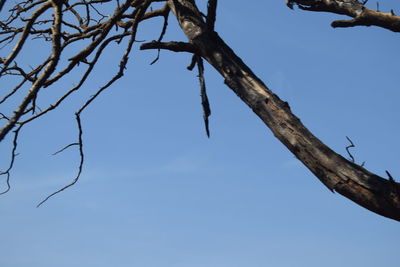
x,y
156,191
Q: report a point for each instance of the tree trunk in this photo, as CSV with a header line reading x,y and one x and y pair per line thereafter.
x,y
337,173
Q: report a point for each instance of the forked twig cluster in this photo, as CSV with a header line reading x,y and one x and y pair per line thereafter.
x,y
66,25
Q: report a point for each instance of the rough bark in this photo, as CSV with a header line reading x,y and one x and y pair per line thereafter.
x,y
361,16
337,173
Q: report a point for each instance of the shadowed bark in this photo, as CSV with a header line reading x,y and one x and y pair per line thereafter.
x,y
337,173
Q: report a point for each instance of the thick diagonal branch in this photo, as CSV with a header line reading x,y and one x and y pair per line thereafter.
x,y
337,173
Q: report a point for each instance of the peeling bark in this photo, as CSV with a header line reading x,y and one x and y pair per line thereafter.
x,y
334,171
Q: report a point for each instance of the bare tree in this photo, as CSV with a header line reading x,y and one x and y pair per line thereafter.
x,y
71,24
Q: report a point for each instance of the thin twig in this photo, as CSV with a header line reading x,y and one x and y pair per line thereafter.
x,y
64,148
13,155
120,73
82,158
192,63
348,148
163,31
390,176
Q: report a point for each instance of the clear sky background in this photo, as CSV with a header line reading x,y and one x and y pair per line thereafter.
x,y
156,192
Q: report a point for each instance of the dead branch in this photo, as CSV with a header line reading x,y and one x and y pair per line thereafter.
x,y
120,73
337,173
65,148
171,46
349,153
211,14
348,147
80,167
12,160
203,92
85,24
37,85
2,2
24,36
361,16
163,31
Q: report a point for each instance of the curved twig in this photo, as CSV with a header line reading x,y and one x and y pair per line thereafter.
x,y
13,155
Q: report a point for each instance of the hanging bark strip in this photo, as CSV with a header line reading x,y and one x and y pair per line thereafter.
x,y
203,92
337,173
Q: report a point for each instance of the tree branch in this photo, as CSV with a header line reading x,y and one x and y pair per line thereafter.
x,y
12,160
37,85
361,15
337,173
118,75
24,36
211,14
171,46
94,31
